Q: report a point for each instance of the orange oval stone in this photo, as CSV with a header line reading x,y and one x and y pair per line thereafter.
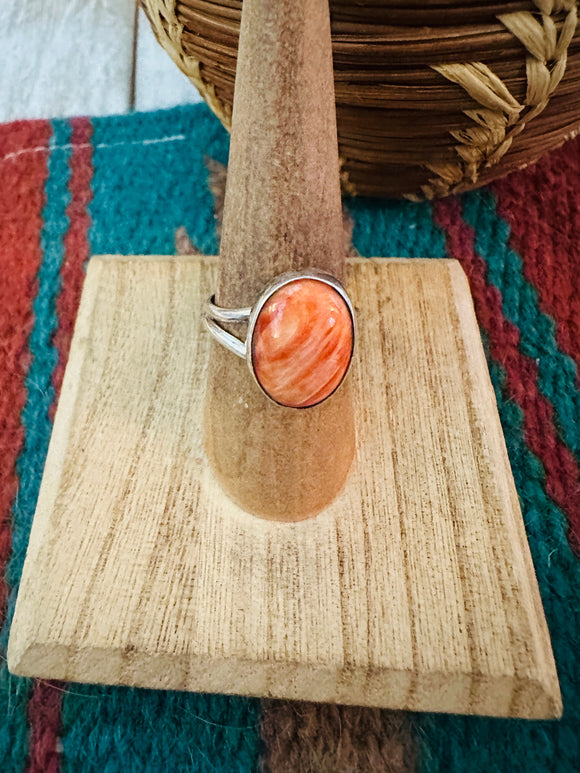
x,y
302,343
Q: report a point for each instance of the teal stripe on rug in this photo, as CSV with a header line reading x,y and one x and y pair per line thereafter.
x,y
386,228
124,730
557,372
144,188
453,744
40,395
150,178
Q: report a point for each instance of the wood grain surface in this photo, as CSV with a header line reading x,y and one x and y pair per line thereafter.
x,y
415,589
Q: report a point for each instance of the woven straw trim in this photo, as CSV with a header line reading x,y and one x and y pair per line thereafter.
x,y
168,31
345,183
501,117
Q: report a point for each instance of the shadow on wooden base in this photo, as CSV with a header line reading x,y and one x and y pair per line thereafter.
x,y
414,590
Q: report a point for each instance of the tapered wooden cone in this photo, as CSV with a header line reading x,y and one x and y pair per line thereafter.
x,y
282,211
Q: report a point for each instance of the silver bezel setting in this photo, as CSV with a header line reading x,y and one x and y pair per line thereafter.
x,y
213,315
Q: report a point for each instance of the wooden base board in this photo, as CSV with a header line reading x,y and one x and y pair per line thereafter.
x,y
415,589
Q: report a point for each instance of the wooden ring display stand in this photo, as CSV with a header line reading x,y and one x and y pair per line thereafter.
x,y
413,587
282,211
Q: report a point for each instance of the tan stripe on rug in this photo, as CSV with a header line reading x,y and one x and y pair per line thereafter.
x,y
299,737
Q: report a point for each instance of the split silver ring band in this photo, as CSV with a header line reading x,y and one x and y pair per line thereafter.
x,y
300,336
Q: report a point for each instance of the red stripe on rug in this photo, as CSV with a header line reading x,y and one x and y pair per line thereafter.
x,y
561,468
44,707
23,173
551,261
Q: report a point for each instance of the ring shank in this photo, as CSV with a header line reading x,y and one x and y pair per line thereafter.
x,y
219,314
213,314
224,338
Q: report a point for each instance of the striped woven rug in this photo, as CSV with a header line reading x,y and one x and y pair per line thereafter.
x,y
139,184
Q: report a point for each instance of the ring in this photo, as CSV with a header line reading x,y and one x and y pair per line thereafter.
x,y
300,337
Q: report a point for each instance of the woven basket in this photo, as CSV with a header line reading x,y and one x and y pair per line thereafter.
x,y
431,97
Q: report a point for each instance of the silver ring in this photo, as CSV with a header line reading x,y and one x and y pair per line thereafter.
x,y
300,337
